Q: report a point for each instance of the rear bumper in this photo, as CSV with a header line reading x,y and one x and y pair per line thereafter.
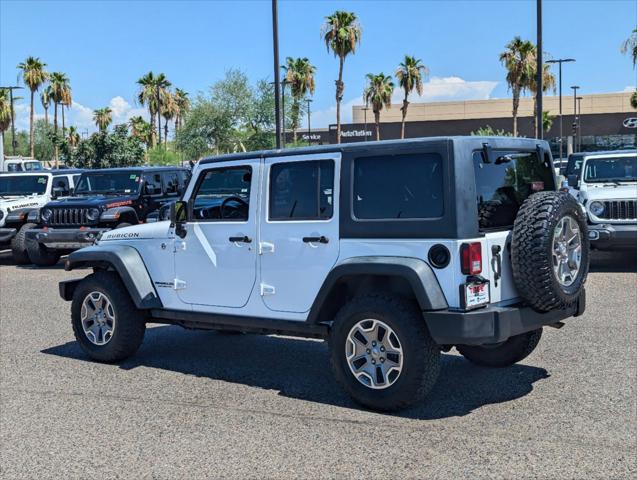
x,y
493,324
65,238
6,235
613,236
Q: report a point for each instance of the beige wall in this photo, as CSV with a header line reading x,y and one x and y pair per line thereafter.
x,y
498,108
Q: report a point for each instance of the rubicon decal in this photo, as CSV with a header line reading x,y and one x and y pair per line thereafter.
x,y
111,236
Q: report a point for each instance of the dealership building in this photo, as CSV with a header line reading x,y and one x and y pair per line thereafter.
x,y
602,121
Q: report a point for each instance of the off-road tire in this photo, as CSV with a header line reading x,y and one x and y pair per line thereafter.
x,y
40,255
130,323
513,350
19,245
421,356
531,251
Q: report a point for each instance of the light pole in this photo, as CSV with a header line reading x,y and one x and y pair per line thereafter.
x,y
560,61
309,121
365,117
275,44
575,119
539,72
13,143
579,120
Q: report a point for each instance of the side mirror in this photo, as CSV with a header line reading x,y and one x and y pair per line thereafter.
x,y
573,181
178,217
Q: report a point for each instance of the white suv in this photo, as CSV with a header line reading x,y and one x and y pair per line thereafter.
x,y
21,197
393,251
605,183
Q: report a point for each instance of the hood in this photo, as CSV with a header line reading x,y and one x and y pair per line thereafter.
x,y
143,231
107,201
14,203
605,191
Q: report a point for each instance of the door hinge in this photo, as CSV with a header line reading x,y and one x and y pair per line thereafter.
x,y
266,247
178,284
267,290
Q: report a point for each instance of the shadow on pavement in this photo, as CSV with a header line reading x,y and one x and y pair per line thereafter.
x,y
7,259
300,369
614,262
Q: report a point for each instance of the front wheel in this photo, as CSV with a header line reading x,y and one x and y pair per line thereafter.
x,y
40,255
19,245
106,323
381,352
504,354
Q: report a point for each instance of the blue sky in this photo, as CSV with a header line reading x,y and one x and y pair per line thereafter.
x,y
104,46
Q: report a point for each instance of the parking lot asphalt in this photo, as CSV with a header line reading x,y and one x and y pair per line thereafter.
x,y
203,404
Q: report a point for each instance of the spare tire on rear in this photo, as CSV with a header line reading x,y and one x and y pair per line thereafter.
x,y
549,251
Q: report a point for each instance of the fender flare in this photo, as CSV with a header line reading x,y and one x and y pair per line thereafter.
x,y
417,272
20,216
114,214
126,261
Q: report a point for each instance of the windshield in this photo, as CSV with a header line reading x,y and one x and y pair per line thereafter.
x,y
108,183
33,166
614,169
23,184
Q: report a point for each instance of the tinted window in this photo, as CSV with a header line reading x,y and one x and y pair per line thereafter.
x,y
223,194
76,178
302,190
171,182
574,165
618,169
111,182
398,187
504,184
23,184
61,182
153,183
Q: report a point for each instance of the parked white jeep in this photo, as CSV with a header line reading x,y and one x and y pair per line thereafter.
x,y
605,183
21,197
392,251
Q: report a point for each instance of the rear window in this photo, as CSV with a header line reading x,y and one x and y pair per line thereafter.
x,y
503,185
398,187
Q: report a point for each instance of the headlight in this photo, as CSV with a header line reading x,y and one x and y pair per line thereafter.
x,y
45,214
93,214
596,208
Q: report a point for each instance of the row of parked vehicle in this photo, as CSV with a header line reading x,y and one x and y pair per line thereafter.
x,y
45,214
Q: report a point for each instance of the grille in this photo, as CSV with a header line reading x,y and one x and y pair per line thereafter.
x,y
620,210
68,216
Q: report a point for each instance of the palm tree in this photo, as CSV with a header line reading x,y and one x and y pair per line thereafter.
x,y
633,100
5,114
549,82
140,129
33,75
410,74
299,74
151,89
341,33
547,120
630,45
378,94
161,86
60,93
169,110
103,118
183,105
73,137
518,59
45,98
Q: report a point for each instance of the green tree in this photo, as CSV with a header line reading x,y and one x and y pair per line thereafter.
x,y
341,33
103,117
148,96
45,98
410,74
518,60
105,150
141,129
633,100
61,94
34,75
162,156
378,94
73,137
183,105
488,131
44,147
169,111
547,120
630,45
299,74
5,114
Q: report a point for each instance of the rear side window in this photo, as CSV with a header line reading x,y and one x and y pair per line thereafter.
x,y
171,182
503,184
398,187
153,183
302,190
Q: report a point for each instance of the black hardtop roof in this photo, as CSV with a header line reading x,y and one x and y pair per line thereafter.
x,y
134,169
472,142
68,171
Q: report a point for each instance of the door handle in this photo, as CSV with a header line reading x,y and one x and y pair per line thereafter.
x,y
244,239
321,239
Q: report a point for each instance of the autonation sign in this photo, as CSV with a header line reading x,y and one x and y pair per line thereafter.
x,y
356,133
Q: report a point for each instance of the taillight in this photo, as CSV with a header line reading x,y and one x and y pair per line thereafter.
x,y
471,258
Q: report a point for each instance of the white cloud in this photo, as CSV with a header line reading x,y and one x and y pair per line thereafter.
x,y
437,89
630,88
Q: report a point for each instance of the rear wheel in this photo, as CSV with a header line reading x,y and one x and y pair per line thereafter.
x,y
40,255
106,323
381,352
503,354
19,245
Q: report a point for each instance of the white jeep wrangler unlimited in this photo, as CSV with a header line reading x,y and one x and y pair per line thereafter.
x,y
605,183
392,251
21,197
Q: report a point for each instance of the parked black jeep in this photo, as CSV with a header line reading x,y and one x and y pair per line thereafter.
x,y
103,200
